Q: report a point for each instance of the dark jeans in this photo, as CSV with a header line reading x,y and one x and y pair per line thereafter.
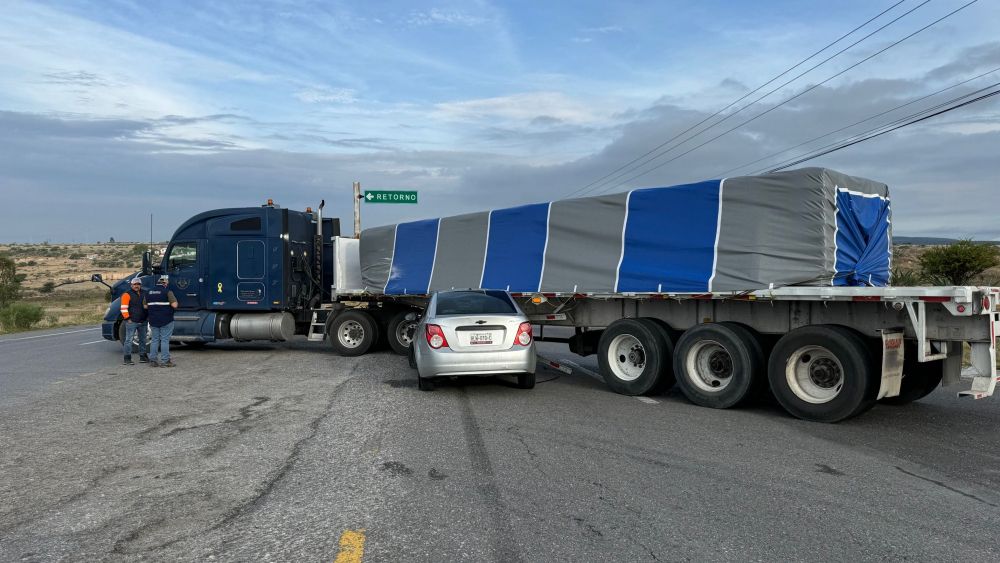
x,y
130,330
161,342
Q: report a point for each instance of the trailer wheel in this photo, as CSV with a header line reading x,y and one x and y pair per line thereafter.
x,y
353,333
670,336
633,356
400,332
919,378
823,373
718,365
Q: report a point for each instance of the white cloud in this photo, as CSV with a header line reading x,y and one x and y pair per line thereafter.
x,y
324,94
523,107
603,29
437,16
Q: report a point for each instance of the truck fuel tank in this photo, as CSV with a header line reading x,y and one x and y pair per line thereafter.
x,y
262,326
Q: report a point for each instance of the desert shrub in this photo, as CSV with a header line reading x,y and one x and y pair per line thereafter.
x,y
903,277
10,281
47,287
21,316
958,263
77,256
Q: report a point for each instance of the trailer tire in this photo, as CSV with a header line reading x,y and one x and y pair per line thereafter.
x,y
718,365
823,373
919,378
633,356
670,336
353,333
400,331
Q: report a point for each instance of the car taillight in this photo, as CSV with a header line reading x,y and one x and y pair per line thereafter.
x,y
523,336
435,337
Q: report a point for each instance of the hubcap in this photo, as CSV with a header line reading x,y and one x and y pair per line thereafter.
x,y
627,357
351,334
709,366
814,374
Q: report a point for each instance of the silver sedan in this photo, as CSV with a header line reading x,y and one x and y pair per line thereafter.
x,y
473,332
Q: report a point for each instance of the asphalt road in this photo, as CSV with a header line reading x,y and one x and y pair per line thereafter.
x,y
286,452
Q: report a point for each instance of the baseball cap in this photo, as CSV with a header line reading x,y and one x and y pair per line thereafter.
x,y
136,280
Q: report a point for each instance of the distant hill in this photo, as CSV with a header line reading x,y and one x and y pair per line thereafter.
x,y
932,240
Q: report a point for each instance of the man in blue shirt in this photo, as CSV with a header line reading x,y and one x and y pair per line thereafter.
x,y
160,304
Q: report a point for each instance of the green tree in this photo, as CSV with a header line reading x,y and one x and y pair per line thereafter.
x,y
10,282
47,287
21,316
959,263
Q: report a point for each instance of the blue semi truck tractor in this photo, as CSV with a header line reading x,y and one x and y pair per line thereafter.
x,y
265,273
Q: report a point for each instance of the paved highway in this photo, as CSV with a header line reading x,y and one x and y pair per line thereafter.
x,y
287,452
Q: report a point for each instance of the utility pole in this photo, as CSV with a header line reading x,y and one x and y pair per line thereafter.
x,y
357,209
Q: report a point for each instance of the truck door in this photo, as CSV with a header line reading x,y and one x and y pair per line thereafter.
x,y
185,266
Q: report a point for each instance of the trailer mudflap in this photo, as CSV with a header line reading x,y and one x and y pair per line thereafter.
x,y
984,364
892,363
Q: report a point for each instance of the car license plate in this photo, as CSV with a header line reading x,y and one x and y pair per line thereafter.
x,y
481,338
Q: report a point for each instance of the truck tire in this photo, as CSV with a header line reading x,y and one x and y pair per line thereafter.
x,y
353,333
823,373
634,356
400,332
718,365
919,378
670,335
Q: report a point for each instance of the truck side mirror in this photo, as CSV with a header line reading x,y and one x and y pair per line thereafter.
x,y
146,269
97,278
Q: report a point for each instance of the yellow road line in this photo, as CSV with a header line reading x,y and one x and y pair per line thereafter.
x,y
352,547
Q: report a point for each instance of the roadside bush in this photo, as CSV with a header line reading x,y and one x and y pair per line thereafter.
x,y
47,287
77,256
21,316
901,277
959,263
10,282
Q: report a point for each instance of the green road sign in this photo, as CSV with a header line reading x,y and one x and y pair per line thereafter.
x,y
390,196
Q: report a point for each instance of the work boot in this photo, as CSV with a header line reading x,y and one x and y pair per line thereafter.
x,y
128,361
168,364
143,358
154,364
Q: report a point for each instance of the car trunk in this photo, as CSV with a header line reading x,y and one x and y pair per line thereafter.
x,y
482,333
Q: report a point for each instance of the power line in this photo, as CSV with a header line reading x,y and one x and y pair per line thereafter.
x,y
738,100
880,133
807,90
886,125
856,123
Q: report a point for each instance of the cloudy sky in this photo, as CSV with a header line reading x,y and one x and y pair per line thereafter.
x,y
114,109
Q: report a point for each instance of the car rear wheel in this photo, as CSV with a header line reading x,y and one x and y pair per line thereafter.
x,y
425,383
526,381
633,356
823,373
353,333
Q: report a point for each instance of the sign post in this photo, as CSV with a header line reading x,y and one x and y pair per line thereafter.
x,y
390,196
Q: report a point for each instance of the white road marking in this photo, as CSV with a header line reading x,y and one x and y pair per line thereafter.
x,y
47,335
94,342
647,400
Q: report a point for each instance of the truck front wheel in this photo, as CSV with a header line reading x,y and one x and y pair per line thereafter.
x,y
634,357
823,373
353,333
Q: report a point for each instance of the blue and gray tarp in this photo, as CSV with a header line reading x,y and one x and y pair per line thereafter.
x,y
812,226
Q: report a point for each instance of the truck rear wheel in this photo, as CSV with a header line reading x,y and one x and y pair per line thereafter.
x,y
353,333
633,356
718,365
919,378
400,332
823,373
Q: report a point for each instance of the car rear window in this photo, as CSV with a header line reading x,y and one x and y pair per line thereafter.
x,y
474,303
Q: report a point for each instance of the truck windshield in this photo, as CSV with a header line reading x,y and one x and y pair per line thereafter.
x,y
474,303
183,254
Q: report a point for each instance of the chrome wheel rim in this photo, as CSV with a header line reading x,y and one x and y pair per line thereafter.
x,y
709,366
814,374
404,333
351,334
627,357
